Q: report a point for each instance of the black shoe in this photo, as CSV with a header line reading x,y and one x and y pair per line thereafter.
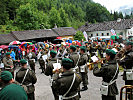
x,y
84,88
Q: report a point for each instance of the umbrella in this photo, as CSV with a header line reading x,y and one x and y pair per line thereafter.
x,y
14,42
13,46
3,46
69,41
58,38
25,44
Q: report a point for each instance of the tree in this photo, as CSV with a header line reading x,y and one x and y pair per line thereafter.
x,y
120,15
96,12
64,18
116,15
127,16
54,17
79,36
27,18
4,16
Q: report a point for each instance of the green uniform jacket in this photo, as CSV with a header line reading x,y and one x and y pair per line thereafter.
x,y
30,79
107,72
74,57
127,63
49,67
83,60
62,84
8,62
13,92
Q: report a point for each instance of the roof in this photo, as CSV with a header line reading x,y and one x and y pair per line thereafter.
x,y
6,38
123,24
64,31
33,34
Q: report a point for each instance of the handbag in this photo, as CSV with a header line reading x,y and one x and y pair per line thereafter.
x,y
129,74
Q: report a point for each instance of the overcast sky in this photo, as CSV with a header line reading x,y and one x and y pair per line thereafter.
x,y
115,4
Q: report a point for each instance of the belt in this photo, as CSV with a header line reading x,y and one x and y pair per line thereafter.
x,y
105,83
8,68
70,96
128,70
29,84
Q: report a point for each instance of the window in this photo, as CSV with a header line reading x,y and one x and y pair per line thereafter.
x,y
107,34
91,35
121,33
102,34
97,34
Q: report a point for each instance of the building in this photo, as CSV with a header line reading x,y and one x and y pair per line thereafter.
x,y
6,38
38,35
122,27
65,32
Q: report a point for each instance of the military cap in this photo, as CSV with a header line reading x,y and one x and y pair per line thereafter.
x,y
129,43
23,61
115,42
83,48
72,47
86,42
110,52
77,46
50,46
95,40
8,53
6,75
53,52
67,45
66,60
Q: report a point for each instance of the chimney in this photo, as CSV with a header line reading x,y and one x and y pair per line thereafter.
x,y
119,20
55,26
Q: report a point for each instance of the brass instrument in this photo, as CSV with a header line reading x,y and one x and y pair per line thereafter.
x,y
99,61
127,93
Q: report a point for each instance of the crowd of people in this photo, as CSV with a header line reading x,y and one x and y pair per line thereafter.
x,y
67,65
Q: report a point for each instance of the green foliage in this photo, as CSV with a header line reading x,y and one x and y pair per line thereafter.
x,y
96,13
27,18
40,14
79,36
54,18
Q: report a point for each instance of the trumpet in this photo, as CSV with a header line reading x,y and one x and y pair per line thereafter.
x,y
99,61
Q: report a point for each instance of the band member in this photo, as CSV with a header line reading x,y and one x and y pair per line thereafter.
x,y
109,73
49,70
11,91
67,85
83,67
31,59
8,63
28,78
126,62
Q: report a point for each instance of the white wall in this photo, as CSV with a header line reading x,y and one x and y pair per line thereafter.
x,y
129,32
108,31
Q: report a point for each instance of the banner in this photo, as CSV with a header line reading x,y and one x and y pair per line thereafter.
x,y
85,35
113,32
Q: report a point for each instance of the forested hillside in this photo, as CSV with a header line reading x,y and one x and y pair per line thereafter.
x,y
40,14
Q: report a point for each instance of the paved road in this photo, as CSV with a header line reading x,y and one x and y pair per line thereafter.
x,y
43,90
